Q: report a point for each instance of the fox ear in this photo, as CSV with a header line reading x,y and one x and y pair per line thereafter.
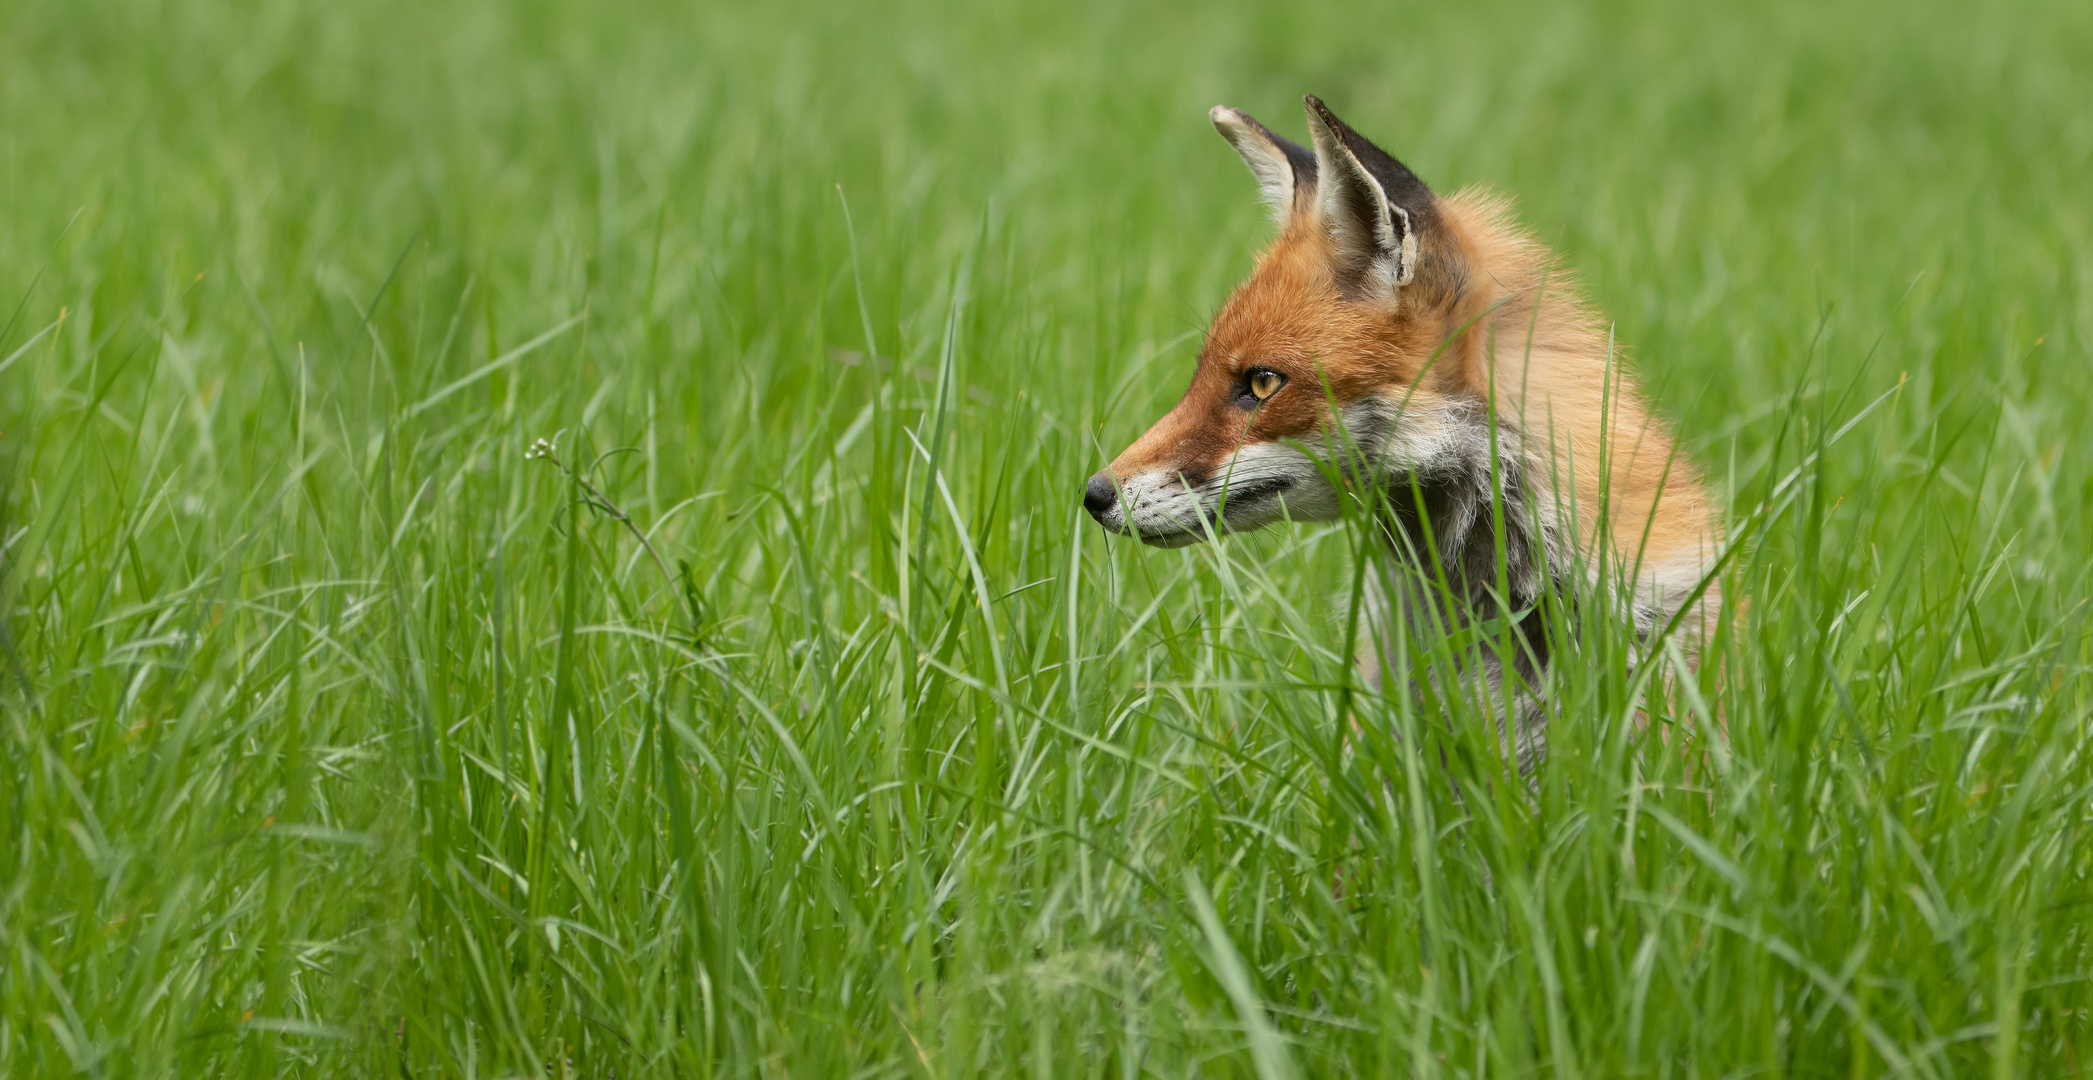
x,y
1373,205
1285,170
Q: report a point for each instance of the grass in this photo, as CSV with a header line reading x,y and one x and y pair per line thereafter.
x,y
344,737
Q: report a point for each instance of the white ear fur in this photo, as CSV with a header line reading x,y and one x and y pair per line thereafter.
x,y
1275,174
1370,231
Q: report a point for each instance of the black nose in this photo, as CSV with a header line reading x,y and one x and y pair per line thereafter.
x,y
1098,494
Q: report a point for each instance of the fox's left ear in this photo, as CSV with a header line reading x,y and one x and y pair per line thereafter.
x,y
1378,212
1285,170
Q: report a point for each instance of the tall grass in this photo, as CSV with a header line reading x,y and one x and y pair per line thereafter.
x,y
347,737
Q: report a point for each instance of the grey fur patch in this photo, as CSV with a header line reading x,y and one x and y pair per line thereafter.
x,y
1440,527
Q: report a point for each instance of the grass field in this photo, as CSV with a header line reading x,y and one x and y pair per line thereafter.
x,y
347,738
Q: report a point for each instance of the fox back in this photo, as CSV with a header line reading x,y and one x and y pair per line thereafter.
x,y
1430,347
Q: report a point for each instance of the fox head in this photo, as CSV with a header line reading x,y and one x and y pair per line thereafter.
x,y
1335,329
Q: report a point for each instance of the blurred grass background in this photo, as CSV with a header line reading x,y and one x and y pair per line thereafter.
x,y
342,741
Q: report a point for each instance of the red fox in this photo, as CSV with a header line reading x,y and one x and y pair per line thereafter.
x,y
1430,346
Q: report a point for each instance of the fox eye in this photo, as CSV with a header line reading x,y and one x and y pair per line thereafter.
x,y
1264,383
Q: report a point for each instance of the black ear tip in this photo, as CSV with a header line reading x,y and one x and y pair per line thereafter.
x,y
1319,111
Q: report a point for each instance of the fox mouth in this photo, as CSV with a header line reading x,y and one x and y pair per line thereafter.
x,y
1189,523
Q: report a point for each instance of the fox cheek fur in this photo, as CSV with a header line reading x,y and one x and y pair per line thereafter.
x,y
1434,342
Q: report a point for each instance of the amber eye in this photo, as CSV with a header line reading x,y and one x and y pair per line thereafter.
x,y
1263,384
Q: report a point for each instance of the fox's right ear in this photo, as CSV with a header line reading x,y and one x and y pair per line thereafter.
x,y
1285,170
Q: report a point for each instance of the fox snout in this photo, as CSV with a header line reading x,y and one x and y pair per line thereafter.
x,y
1160,510
1170,506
